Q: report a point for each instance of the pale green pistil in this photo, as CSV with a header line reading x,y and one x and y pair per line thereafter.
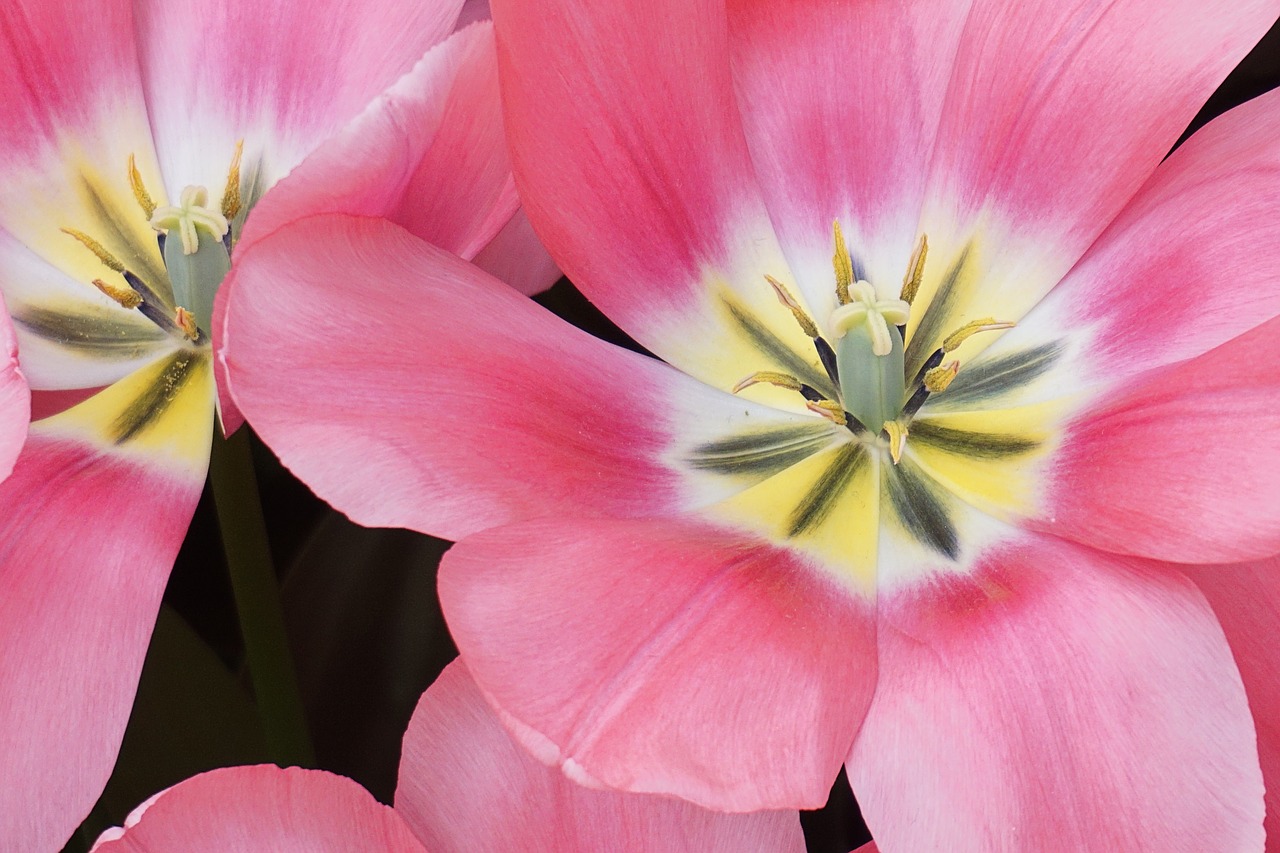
x,y
869,354
189,217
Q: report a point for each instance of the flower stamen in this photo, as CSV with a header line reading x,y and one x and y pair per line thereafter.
x,y
109,260
139,189
186,321
896,432
123,295
915,271
231,194
843,263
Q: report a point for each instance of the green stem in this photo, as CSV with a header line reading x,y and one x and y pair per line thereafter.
x,y
253,580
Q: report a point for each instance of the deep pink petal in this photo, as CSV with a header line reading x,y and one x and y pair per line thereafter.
x,y
87,539
472,11
465,785
1057,112
1181,465
428,154
517,256
1186,266
15,398
218,73
409,388
262,808
1057,699
633,167
1246,600
665,657
841,103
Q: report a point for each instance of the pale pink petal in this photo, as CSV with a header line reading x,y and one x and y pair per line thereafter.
x,y
1056,114
517,256
1181,465
665,657
278,76
841,103
410,389
1187,265
15,398
428,154
261,808
633,168
86,543
1246,600
1057,699
466,786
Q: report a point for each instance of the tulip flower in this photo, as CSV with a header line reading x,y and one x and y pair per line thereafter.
x,y
137,139
959,464
464,785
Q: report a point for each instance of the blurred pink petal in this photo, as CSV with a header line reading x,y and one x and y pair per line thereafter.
x,y
15,398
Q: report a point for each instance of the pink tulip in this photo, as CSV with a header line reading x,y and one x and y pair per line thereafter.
x,y
981,568
123,121
464,786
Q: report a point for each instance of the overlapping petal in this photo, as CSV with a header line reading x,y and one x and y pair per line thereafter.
x,y
1246,600
1055,115
1182,465
15,398
641,184
263,808
90,522
499,412
1186,266
466,786
660,656
1057,699
219,73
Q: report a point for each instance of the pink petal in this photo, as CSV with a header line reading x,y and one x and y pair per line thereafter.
x,y
410,389
428,154
517,257
87,539
218,73
665,657
841,105
1055,116
465,785
15,398
633,168
1181,465
472,11
1246,600
1182,269
1057,699
262,808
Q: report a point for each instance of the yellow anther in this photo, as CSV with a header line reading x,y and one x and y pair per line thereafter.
x,y
186,321
231,195
915,271
784,296
844,267
139,189
768,377
109,260
968,330
897,434
829,410
125,296
939,378
190,216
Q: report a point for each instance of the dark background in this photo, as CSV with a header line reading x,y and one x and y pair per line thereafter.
x,y
365,627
